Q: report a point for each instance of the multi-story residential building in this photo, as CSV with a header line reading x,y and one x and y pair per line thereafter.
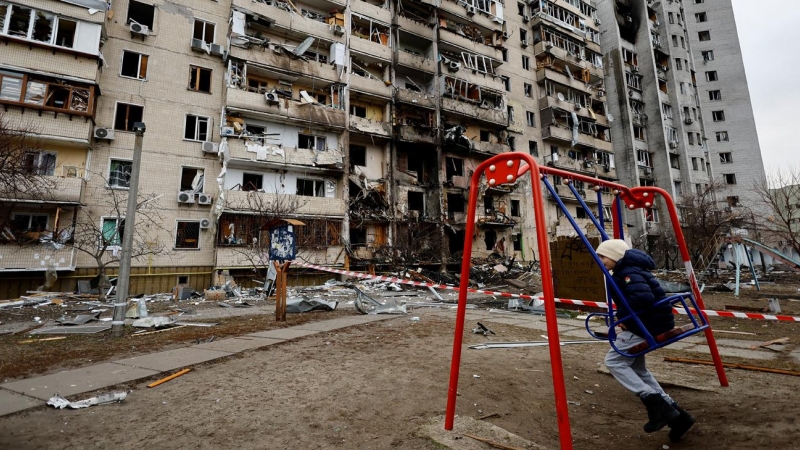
x,y
734,151
363,119
659,128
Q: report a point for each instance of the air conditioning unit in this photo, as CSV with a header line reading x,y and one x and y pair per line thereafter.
x,y
204,199
506,35
454,66
471,10
271,97
578,106
673,144
524,43
227,131
338,30
139,29
526,18
210,147
104,133
597,22
186,197
635,69
648,170
199,45
205,224
217,50
688,121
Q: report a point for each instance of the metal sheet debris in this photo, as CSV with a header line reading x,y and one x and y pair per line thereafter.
x,y
59,402
196,324
368,305
303,304
157,322
482,329
80,319
78,329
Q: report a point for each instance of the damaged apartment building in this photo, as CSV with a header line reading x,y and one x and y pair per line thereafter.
x,y
363,119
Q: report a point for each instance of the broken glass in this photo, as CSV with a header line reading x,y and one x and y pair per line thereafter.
x,y
80,100
43,27
19,22
35,92
65,36
10,87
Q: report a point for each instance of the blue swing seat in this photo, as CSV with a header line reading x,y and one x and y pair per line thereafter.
x,y
652,342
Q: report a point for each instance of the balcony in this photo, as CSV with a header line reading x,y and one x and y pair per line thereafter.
x,y
490,148
65,191
415,98
372,11
412,26
269,58
373,49
585,140
473,111
467,44
475,77
575,82
244,150
35,257
480,19
553,102
575,61
305,206
239,256
411,133
287,110
298,24
416,62
371,86
51,127
372,127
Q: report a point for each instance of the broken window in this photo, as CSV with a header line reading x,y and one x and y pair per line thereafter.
x,y
704,36
39,163
252,181
199,79
533,148
134,65
318,234
310,187
196,128
141,13
711,75
311,142
119,173
358,110
726,158
43,24
639,133
715,95
701,17
526,62
643,157
694,164
691,138
358,156
733,200
516,241
113,228
192,179
19,21
358,237
718,116
528,90
482,64
484,135
203,31
490,238
512,142
674,161
722,136
651,215
127,115
666,110
531,116
730,178
633,80
672,134
372,30
455,204
416,201
65,36
187,234
708,55
515,208
678,64
454,167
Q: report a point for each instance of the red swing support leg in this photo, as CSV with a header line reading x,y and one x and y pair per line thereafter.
x,y
506,168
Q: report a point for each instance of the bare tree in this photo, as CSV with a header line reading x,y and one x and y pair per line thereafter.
x,y
99,229
245,226
23,168
778,198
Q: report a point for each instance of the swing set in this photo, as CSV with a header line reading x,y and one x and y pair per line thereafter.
x,y
507,168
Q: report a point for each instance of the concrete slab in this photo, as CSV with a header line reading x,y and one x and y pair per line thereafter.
x,y
173,359
76,381
283,333
238,344
467,425
11,402
329,325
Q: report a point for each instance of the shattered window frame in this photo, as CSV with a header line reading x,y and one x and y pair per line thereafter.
x,y
187,234
310,187
319,142
137,12
40,162
200,79
112,229
196,128
38,92
130,112
730,178
201,29
141,65
119,173
726,158
318,234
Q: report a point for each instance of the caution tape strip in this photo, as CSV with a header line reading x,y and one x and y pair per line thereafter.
x,y
707,312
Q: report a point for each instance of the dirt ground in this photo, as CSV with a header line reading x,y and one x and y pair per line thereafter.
x,y
374,386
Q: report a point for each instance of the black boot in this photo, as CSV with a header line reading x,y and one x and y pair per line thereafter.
x,y
659,412
681,425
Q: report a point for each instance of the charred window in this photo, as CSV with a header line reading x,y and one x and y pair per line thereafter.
x,y
358,156
252,181
416,201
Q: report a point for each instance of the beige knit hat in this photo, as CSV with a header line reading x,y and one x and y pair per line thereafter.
x,y
613,249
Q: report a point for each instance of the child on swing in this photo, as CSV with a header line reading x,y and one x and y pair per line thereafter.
x,y
631,271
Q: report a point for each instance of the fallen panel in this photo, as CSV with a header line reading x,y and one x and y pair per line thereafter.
x,y
302,304
77,329
81,319
59,402
368,305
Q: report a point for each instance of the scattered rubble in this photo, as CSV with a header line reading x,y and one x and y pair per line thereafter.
x,y
59,402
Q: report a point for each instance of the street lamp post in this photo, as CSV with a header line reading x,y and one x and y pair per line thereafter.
x,y
123,280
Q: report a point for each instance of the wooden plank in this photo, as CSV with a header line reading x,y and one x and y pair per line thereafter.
x,y
171,377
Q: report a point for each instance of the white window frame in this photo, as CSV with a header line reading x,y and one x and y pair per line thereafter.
x,y
203,186
175,240
108,181
198,119
79,25
316,142
213,38
718,117
530,116
722,134
31,215
139,67
110,246
727,159
318,183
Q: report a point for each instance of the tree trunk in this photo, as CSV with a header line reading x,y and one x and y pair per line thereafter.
x,y
103,284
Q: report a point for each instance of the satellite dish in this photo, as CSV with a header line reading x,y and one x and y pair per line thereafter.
x,y
560,96
610,117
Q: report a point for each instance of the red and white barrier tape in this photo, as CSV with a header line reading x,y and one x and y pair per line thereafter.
x,y
708,312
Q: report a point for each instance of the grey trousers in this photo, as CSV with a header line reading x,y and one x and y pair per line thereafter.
x,y
632,373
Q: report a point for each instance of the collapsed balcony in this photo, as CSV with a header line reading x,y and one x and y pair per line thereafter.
x,y
368,201
472,101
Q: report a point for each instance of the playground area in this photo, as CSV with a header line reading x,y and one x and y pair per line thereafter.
x,y
376,386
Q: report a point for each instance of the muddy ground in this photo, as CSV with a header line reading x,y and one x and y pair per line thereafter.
x,y
374,386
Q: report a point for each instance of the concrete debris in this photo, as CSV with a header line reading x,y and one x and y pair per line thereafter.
x,y
154,322
80,319
138,310
59,402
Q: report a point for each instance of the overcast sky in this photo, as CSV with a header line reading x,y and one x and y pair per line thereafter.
x,y
769,33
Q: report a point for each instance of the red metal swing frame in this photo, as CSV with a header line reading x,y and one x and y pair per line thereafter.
x,y
507,168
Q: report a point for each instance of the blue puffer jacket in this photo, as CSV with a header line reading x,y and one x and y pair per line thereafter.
x,y
641,290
